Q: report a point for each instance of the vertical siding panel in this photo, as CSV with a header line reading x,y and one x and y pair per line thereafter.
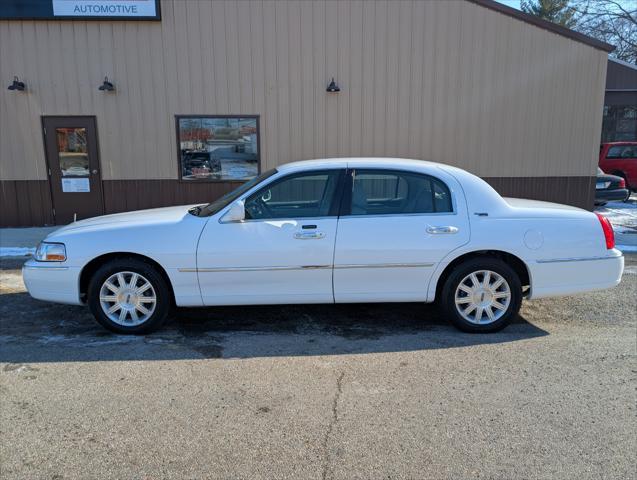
x,y
344,77
295,82
282,82
232,56
414,125
82,80
380,78
137,166
332,101
436,105
355,83
392,78
193,53
207,99
403,71
368,55
244,41
453,93
121,119
307,82
27,119
258,68
318,52
162,151
468,116
270,124
219,45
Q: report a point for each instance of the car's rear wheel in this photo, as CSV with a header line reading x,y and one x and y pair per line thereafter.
x,y
129,296
482,295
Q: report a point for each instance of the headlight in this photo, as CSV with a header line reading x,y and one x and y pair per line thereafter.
x,y
50,252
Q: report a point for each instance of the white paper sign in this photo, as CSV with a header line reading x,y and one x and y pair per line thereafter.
x,y
104,8
76,185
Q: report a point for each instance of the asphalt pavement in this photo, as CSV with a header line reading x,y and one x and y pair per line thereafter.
x,y
320,392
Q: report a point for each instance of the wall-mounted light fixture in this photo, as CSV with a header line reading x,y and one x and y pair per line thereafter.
x,y
17,85
106,86
332,87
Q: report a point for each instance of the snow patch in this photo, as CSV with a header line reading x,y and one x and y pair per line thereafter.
x,y
16,251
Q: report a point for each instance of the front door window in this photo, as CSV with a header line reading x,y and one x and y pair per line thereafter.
x,y
306,195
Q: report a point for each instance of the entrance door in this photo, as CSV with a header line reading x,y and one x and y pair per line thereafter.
x,y
74,171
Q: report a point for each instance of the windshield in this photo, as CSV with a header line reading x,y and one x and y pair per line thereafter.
x,y
230,197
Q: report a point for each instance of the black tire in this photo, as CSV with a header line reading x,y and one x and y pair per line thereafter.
x,y
162,294
460,272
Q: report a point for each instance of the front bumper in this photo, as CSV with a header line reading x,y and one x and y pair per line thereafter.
x,y
52,282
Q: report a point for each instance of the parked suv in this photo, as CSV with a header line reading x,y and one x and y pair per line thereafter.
x,y
620,158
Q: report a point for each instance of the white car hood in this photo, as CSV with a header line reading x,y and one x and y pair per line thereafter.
x,y
152,216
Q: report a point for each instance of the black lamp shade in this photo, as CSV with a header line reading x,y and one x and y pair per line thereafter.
x,y
332,87
106,86
17,85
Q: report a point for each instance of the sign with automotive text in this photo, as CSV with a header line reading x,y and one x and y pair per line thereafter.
x,y
80,9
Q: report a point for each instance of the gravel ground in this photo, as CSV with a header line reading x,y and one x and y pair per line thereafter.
x,y
357,391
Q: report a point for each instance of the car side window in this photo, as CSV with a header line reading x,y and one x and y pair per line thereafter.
x,y
302,195
387,192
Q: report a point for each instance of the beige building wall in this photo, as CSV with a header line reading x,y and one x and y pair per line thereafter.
x,y
449,81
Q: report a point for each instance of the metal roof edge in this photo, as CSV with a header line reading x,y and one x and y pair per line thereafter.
x,y
545,24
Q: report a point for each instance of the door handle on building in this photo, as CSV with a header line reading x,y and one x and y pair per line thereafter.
x,y
442,230
308,235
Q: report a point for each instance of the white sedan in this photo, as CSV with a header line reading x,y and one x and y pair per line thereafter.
x,y
331,231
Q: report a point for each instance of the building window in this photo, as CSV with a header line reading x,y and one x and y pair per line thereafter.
x,y
218,147
619,123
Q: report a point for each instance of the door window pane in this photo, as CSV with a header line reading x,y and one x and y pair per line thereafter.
x,y
296,196
72,152
218,148
377,192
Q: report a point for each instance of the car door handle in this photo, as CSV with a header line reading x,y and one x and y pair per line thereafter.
x,y
308,235
442,230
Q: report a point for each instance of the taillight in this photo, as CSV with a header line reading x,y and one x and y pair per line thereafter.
x,y
609,235
622,183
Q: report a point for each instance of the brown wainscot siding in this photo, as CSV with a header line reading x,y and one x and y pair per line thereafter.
x,y
124,195
127,195
576,191
28,203
25,203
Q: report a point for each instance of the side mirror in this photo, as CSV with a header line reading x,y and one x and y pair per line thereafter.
x,y
236,213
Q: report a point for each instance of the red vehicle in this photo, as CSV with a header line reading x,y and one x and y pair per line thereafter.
x,y
620,158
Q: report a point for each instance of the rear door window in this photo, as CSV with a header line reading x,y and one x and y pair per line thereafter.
x,y
388,192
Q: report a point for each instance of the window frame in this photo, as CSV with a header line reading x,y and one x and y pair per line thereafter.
x,y
215,180
336,200
346,198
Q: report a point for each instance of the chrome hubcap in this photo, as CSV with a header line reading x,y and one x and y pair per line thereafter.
x,y
482,297
128,298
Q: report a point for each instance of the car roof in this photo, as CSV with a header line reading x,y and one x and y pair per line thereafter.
x,y
354,162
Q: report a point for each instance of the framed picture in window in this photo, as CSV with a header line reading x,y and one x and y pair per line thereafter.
x,y
218,147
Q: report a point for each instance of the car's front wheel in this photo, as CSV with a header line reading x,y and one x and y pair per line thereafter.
x,y
129,296
482,295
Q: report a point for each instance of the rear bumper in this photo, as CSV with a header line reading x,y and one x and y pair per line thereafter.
x,y
619,194
52,282
556,277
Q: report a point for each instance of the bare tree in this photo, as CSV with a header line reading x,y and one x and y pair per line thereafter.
x,y
611,21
